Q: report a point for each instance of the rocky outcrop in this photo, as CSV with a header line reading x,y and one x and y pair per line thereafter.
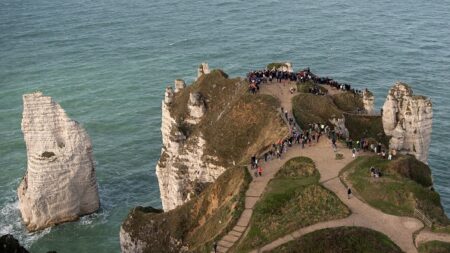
x,y
408,119
368,101
59,184
339,127
203,69
183,168
10,244
179,85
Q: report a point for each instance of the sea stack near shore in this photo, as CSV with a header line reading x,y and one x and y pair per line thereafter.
x,y
407,118
59,184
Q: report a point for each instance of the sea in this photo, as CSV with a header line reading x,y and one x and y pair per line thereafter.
x,y
107,63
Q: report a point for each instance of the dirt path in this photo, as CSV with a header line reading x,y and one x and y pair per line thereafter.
x,y
399,229
426,235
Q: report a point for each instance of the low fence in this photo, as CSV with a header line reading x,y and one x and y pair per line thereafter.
x,y
423,218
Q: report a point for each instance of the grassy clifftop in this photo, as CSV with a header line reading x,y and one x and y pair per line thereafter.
x,y
193,226
404,186
236,124
309,108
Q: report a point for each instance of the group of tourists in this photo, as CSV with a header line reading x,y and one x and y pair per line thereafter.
x,y
257,77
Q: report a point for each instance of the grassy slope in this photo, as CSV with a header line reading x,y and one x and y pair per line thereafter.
x,y
434,247
304,87
399,190
309,108
341,239
236,124
198,222
293,199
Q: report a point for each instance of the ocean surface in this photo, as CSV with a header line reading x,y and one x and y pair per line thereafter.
x,y
107,63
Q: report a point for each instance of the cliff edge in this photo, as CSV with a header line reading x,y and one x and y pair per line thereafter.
x,y
59,184
208,127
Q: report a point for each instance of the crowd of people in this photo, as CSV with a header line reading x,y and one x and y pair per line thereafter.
x,y
258,77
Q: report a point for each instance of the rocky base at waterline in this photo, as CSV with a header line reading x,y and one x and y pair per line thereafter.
x,y
59,184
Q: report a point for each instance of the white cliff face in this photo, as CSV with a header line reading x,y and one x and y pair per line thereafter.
x,y
183,166
368,101
408,119
203,69
339,127
60,183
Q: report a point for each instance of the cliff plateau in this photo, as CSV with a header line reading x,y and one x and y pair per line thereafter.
x,y
59,184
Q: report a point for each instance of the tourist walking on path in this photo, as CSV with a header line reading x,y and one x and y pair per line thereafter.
x,y
354,152
260,171
349,193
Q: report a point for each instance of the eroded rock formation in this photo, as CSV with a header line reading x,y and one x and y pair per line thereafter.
x,y
203,69
368,101
183,168
59,184
407,119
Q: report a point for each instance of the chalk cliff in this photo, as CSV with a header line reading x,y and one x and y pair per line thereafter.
x,y
183,168
59,184
407,118
368,101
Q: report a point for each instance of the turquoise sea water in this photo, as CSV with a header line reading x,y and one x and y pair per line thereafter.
x,y
107,63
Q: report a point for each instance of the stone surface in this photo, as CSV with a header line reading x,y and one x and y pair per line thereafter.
x,y
203,69
339,127
59,184
183,168
196,106
179,85
9,244
408,120
368,101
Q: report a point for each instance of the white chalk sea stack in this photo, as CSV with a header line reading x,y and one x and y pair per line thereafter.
x,y
407,118
59,184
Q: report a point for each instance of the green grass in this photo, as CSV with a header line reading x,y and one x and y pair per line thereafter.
x,y
434,247
341,239
397,192
293,199
197,223
348,101
310,108
361,126
236,124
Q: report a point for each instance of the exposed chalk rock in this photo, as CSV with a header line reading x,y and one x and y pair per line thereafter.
x,y
183,168
339,127
59,184
168,95
408,120
368,101
203,69
196,106
179,85
288,67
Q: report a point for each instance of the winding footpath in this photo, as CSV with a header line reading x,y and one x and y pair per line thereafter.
x,y
399,229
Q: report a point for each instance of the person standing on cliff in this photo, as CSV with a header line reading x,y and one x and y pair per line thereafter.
x,y
349,193
215,247
260,170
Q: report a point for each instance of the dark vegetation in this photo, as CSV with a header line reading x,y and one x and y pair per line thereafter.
x,y
309,108
293,199
237,124
434,247
402,187
341,239
195,224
